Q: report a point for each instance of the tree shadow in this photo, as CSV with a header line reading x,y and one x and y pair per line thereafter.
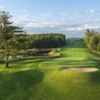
x,y
22,80
95,77
28,78
19,83
21,63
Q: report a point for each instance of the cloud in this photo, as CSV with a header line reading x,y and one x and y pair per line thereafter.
x,y
2,6
76,13
91,11
83,27
21,20
75,29
46,23
43,24
46,14
71,30
64,14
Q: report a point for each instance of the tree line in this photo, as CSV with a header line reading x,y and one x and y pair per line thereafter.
x,y
92,41
49,40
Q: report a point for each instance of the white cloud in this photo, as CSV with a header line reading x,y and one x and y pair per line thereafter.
x,y
2,6
76,13
83,27
91,11
64,14
87,26
46,15
75,29
45,24
21,20
23,17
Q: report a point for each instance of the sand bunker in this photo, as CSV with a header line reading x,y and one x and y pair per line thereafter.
x,y
81,69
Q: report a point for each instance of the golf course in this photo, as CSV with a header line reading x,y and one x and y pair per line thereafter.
x,y
60,78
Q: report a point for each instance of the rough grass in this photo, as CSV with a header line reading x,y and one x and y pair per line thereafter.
x,y
42,79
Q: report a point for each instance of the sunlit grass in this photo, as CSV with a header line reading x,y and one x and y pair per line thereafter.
x,y
42,79
71,56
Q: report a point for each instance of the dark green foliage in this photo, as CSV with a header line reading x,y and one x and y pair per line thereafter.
x,y
9,39
92,41
87,37
98,46
46,40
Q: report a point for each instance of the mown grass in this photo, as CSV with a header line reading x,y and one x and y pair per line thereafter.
x,y
72,56
42,79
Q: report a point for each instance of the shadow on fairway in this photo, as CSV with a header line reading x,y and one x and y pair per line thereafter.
x,y
30,61
21,81
95,77
17,84
23,63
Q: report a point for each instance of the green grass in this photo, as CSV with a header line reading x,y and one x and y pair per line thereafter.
x,y
72,56
42,79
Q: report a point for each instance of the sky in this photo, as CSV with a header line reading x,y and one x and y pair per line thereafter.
x,y
70,17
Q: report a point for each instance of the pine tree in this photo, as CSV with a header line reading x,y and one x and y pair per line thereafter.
x,y
9,39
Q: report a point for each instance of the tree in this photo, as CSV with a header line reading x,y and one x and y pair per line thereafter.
x,y
88,34
10,41
93,42
98,46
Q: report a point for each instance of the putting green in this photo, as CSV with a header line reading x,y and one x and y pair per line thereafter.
x,y
75,55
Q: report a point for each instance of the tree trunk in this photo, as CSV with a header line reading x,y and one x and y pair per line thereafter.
x,y
7,64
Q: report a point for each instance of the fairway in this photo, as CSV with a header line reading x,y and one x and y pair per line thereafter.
x,y
43,79
71,56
